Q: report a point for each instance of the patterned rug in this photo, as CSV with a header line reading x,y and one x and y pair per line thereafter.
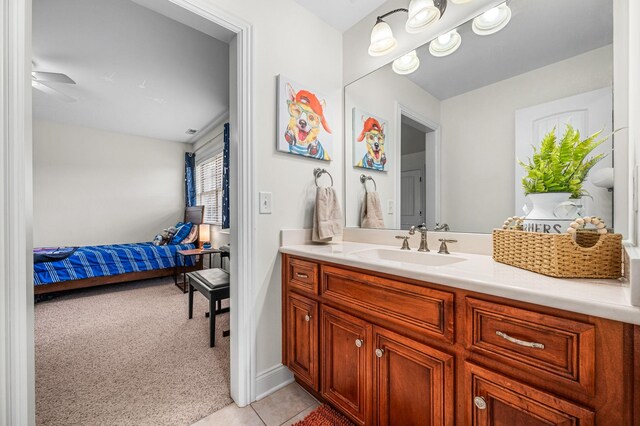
x,y
126,354
324,416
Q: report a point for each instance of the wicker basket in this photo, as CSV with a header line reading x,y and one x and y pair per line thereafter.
x,y
591,255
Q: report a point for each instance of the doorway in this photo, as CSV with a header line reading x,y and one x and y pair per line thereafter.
x,y
418,174
16,323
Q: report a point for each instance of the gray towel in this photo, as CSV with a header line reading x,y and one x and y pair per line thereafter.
x,y
371,211
327,216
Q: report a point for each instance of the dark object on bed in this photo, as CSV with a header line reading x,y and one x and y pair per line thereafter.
x,y
52,254
194,215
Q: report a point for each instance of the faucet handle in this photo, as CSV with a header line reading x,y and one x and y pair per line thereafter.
x,y
443,246
405,242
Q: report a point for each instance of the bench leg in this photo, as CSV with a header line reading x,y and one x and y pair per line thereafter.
x,y
190,301
212,321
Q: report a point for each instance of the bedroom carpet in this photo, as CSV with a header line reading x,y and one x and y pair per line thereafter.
x,y
126,354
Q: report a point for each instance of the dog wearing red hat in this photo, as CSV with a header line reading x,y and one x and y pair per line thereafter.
x,y
306,116
373,134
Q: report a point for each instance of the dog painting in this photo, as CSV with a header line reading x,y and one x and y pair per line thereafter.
x,y
303,128
369,140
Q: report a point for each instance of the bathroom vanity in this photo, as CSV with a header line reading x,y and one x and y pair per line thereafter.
x,y
456,343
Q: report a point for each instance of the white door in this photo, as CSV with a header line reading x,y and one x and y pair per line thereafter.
x,y
411,198
588,112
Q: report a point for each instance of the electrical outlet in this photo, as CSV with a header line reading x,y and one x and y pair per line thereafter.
x,y
265,203
390,207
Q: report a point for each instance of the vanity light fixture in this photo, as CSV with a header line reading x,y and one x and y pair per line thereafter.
x,y
492,21
422,13
382,39
445,44
406,64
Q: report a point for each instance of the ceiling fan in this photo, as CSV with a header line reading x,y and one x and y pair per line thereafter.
x,y
42,81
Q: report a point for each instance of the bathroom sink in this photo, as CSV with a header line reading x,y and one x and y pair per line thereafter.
x,y
405,256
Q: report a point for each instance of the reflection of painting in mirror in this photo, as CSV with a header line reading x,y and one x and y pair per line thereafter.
x,y
369,141
491,100
302,123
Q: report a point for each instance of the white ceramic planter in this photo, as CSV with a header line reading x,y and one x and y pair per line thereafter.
x,y
552,213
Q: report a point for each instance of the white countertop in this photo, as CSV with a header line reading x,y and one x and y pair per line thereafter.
x,y
601,298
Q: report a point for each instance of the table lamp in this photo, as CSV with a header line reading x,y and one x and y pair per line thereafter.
x,y
204,231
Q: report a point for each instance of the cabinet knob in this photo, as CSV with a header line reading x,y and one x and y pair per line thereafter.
x,y
359,343
307,318
480,403
379,353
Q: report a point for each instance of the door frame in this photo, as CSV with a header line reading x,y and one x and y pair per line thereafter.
x,y
17,367
402,110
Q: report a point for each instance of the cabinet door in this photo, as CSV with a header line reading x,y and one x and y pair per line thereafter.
x,y
302,339
346,363
498,401
413,384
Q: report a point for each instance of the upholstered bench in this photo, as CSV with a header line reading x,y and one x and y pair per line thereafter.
x,y
214,285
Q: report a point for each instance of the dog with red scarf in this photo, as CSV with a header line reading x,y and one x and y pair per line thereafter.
x,y
373,134
306,115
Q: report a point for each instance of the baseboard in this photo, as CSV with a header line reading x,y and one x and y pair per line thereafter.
x,y
271,380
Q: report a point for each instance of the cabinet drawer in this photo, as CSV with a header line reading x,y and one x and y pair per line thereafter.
x,y
420,309
303,275
497,400
560,349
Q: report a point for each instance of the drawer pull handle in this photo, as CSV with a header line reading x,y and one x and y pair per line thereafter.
x,y
301,275
379,353
359,343
479,402
307,318
520,342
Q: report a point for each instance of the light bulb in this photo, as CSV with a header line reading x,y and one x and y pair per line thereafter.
x,y
491,15
444,38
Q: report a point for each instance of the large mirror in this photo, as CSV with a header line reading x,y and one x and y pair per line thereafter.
x,y
440,144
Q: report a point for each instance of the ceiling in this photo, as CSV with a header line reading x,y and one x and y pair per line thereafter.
x,y
341,14
540,33
137,71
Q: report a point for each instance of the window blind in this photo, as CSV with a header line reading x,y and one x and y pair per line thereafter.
x,y
209,188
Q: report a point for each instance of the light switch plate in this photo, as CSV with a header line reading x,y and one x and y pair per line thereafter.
x,y
390,207
265,203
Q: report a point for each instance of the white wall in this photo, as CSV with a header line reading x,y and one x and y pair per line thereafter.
x,y
478,130
378,94
288,40
96,187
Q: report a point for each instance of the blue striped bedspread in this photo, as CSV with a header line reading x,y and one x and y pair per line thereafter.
x,y
101,261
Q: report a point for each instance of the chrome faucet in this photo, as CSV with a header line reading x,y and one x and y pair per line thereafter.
x,y
441,227
423,236
443,245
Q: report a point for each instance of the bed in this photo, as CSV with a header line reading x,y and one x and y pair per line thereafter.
x,y
91,266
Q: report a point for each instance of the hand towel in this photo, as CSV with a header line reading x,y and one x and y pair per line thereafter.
x,y
327,216
371,211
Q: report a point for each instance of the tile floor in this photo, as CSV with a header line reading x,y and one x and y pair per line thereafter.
x,y
282,408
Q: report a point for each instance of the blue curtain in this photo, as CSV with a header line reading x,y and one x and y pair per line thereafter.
x,y
225,178
190,178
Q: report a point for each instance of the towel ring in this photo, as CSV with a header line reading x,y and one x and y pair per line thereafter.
x,y
319,172
364,180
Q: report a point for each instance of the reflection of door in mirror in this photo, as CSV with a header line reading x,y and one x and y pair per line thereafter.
x,y
417,174
589,113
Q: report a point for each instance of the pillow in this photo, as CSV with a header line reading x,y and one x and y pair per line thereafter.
x,y
192,237
182,232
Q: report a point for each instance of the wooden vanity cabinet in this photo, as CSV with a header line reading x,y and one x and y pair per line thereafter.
x,y
346,363
386,350
302,338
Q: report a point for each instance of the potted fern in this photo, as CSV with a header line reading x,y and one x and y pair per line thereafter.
x,y
555,173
